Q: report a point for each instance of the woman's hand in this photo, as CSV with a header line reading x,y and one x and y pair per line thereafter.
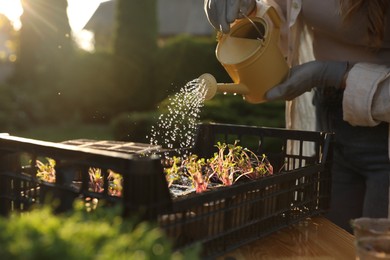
x,y
303,78
221,13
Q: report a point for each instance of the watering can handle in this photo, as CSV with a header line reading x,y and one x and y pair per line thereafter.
x,y
272,14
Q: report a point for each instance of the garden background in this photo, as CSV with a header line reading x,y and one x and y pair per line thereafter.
x,y
58,91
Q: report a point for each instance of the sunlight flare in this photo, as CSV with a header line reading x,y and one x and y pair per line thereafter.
x,y
13,10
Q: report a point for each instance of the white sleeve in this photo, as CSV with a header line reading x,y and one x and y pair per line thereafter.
x,y
381,102
366,100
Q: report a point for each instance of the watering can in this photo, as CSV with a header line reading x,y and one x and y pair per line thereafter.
x,y
251,56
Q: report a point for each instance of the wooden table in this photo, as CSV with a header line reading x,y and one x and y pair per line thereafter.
x,y
315,238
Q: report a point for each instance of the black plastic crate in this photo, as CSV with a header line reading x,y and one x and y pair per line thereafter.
x,y
221,219
226,218
20,189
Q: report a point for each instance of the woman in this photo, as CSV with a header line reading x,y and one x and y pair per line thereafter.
x,y
339,52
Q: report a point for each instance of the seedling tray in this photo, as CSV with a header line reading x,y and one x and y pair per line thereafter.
x,y
221,219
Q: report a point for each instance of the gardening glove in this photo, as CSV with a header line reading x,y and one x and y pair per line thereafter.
x,y
302,78
221,13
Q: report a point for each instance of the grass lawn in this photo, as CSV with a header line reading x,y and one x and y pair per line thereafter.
x,y
58,133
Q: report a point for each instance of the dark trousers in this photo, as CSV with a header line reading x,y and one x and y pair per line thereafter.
x,y
361,165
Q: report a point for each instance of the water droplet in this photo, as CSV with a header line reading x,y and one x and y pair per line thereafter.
x,y
178,125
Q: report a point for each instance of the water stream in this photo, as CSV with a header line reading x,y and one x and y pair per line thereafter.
x,y
176,129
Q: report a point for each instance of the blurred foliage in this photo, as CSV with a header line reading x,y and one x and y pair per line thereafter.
x,y
101,234
84,93
135,47
11,115
232,109
45,50
58,85
87,90
45,41
66,131
182,59
134,126
9,41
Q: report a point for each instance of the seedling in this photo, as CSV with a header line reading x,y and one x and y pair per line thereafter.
x,y
229,164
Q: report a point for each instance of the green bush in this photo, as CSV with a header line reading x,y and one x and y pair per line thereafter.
x,y
232,109
133,126
135,48
13,116
79,235
84,91
182,59
87,89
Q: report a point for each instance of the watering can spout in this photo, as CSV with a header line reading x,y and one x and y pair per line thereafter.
x,y
212,87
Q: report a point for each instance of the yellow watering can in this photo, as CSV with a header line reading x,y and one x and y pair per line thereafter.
x,y
251,56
